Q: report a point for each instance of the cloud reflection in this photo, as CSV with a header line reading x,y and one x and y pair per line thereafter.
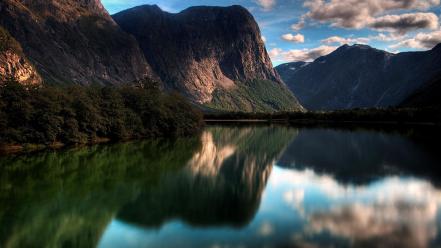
x,y
393,212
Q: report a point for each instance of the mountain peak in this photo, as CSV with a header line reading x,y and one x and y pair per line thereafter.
x,y
437,47
346,47
74,41
206,53
63,10
361,46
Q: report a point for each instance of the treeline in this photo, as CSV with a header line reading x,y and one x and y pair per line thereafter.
x,y
385,115
80,115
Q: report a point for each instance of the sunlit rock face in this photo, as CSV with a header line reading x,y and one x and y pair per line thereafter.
x,y
74,42
14,66
221,185
200,49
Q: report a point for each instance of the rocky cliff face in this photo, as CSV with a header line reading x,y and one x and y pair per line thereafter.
x,y
13,64
202,49
360,76
74,41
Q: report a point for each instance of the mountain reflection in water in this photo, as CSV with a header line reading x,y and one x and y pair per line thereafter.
x,y
260,186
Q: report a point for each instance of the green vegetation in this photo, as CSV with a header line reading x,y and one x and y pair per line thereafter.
x,y
81,115
254,96
356,116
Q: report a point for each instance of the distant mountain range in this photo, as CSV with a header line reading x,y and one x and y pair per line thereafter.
x,y
359,76
212,55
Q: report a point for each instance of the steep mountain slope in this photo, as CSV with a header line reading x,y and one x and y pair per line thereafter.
x,y
360,76
71,41
207,51
427,96
13,64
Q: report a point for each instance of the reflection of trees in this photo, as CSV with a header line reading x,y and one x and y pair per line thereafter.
x,y
361,156
221,185
66,199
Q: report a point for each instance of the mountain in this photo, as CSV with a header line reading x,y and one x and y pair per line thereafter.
x,y
13,63
215,56
427,96
359,76
74,41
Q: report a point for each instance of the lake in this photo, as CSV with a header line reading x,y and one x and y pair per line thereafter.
x,y
233,186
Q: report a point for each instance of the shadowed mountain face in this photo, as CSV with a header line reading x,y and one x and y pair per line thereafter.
x,y
360,76
208,51
73,41
429,95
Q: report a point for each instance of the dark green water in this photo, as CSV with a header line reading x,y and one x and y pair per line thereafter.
x,y
231,187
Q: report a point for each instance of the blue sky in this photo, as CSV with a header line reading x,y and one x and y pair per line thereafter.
x,y
302,30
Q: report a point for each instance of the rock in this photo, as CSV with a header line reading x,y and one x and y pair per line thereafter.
x,y
74,42
14,66
202,50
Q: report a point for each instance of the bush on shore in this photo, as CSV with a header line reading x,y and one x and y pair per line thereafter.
x,y
79,115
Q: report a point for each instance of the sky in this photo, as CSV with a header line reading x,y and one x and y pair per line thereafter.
x,y
303,30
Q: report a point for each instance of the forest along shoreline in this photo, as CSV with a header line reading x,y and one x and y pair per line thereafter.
x,y
394,117
34,118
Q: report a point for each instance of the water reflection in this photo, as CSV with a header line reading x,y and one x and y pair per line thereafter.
x,y
391,212
221,185
266,186
362,156
67,198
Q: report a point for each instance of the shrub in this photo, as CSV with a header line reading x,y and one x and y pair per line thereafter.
x,y
72,115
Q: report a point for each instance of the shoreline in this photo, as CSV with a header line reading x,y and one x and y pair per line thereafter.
x,y
12,149
321,122
21,149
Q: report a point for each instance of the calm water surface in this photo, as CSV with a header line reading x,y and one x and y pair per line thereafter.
x,y
265,186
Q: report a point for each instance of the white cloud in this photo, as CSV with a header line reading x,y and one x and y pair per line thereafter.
x,y
264,39
298,38
421,41
340,40
306,55
299,25
266,4
387,37
360,14
266,229
405,22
